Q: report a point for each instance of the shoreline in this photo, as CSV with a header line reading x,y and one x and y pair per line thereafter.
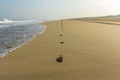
x,y
90,52
27,42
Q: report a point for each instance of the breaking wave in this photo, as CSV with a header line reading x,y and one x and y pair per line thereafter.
x,y
13,34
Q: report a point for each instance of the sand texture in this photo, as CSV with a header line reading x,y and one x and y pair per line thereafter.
x,y
89,51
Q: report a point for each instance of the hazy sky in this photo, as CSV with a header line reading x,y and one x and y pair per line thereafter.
x,y
57,9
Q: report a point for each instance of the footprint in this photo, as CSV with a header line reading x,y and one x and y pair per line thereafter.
x,y
59,59
61,35
61,42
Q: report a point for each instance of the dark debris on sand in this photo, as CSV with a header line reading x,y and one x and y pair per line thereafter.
x,y
59,59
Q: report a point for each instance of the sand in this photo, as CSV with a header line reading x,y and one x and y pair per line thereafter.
x,y
91,51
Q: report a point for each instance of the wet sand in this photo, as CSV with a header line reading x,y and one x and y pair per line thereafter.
x,y
91,51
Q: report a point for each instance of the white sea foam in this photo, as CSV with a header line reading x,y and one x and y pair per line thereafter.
x,y
17,33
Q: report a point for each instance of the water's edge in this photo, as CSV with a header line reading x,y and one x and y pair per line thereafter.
x,y
13,49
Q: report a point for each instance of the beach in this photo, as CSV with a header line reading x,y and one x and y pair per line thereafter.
x,y
91,51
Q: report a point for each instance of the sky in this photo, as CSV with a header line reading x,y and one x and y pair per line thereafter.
x,y
57,9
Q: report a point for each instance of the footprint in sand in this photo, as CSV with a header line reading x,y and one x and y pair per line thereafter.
x,y
61,35
61,42
59,59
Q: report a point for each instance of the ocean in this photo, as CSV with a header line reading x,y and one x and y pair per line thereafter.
x,y
14,34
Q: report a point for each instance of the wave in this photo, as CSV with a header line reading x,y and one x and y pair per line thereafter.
x,y
17,33
7,21
11,23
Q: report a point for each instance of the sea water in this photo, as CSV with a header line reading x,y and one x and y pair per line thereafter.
x,y
15,34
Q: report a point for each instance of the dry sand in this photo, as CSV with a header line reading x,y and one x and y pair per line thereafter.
x,y
91,51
